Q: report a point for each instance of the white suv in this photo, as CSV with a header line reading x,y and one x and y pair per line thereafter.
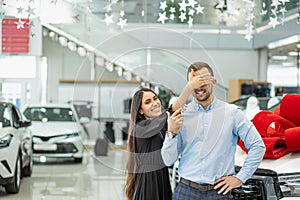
x,y
15,147
56,131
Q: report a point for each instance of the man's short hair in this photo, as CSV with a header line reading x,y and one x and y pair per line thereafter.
x,y
199,65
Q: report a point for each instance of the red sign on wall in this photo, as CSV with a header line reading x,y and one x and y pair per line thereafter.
x,y
15,35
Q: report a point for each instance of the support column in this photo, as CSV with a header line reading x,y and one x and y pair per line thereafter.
x,y
262,71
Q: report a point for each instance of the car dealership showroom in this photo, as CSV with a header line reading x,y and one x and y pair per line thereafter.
x,y
71,105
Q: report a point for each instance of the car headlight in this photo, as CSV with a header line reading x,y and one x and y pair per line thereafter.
x,y
290,184
5,141
76,134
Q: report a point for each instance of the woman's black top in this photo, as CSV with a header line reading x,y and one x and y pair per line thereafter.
x,y
153,181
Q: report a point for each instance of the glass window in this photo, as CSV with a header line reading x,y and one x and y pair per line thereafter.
x,y
49,114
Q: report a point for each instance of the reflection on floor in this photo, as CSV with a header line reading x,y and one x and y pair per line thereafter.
x,y
97,178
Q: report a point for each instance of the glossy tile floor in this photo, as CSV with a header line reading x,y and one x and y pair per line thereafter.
x,y
97,178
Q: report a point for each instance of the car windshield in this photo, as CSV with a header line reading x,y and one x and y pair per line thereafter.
x,y
46,114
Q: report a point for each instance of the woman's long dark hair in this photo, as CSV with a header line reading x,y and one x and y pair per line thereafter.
x,y
131,165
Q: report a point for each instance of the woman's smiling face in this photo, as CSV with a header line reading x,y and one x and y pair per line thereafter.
x,y
151,106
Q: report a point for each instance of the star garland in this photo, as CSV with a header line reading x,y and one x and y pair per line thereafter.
x,y
122,20
20,24
109,17
182,11
249,7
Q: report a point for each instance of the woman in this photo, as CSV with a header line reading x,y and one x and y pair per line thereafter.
x,y
148,177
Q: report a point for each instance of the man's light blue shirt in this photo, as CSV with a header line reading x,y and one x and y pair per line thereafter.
x,y
207,143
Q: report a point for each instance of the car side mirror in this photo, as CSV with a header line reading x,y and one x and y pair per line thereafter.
x,y
25,123
84,120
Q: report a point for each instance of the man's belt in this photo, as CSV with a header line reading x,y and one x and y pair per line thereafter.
x,y
192,184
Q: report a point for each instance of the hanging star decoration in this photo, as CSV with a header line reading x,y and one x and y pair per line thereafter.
x,y
283,10
284,1
185,11
182,16
20,10
20,24
122,20
273,22
163,5
275,3
172,16
172,10
108,19
248,36
199,9
108,8
122,13
162,17
263,12
190,22
31,24
181,11
109,16
30,11
192,3
249,6
183,6
191,12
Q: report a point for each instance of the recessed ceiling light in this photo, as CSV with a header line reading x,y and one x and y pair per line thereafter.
x,y
287,64
294,53
279,57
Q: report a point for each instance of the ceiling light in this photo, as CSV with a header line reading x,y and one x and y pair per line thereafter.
x,y
287,64
51,34
120,71
63,41
45,32
109,66
81,51
279,57
72,46
294,53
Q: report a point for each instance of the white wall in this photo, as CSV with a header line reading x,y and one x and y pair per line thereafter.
x,y
62,64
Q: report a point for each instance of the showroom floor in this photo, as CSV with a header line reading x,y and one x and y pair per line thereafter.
x,y
97,178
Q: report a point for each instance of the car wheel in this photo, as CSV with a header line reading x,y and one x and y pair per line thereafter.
x,y
78,160
27,171
14,186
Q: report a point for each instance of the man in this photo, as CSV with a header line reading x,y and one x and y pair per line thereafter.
x,y
207,143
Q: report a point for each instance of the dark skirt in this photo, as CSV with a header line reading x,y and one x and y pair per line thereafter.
x,y
154,185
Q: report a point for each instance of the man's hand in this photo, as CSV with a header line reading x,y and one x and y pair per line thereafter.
x,y
197,81
175,121
227,183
